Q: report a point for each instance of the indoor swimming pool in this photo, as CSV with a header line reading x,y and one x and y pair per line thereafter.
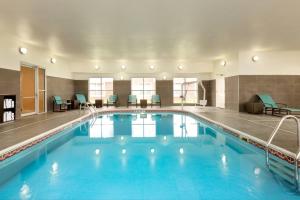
x,y
141,156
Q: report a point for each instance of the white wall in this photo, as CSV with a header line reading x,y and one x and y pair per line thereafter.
x,y
220,92
127,76
10,58
270,63
231,68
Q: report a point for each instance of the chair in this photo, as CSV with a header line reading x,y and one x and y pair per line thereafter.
x,y
82,101
132,100
155,99
112,100
63,105
271,105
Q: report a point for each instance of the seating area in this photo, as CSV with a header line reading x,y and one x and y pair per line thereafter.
x,y
276,108
60,105
139,99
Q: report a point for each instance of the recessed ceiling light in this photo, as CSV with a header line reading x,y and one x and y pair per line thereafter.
x,y
164,77
122,78
255,58
23,50
223,63
180,67
53,60
123,67
97,67
151,67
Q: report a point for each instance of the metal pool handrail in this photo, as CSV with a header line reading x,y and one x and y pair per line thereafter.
x,y
298,144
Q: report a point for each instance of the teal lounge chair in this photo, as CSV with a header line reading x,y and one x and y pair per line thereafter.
x,y
82,101
61,104
112,100
275,108
132,100
155,99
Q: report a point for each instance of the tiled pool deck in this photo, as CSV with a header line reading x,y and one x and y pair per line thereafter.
x,y
258,126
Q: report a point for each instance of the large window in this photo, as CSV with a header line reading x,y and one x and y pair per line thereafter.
x,y
186,87
100,88
143,88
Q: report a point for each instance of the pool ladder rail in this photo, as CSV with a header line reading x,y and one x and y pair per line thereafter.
x,y
285,170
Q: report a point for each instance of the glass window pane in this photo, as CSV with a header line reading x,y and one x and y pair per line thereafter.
x,y
106,94
93,95
139,95
176,96
191,97
137,84
149,84
148,95
95,80
107,84
177,82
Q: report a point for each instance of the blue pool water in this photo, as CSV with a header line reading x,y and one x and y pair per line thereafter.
x,y
141,156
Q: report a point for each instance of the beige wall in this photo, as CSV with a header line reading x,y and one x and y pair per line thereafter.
x,y
81,87
59,87
122,89
165,89
10,84
232,93
282,88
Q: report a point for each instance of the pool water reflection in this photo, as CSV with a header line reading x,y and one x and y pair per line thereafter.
x,y
145,125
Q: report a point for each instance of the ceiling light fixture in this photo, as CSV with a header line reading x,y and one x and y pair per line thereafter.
x,y
255,58
123,67
180,67
151,67
223,63
97,67
53,60
122,78
164,77
23,50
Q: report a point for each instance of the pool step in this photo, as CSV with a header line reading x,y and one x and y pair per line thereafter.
x,y
283,169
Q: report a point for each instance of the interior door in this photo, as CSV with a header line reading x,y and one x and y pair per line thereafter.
x,y
220,92
27,90
42,90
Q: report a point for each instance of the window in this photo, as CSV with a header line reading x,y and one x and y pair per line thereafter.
x,y
187,87
100,88
143,88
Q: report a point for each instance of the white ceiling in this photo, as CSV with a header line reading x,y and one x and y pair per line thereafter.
x,y
193,30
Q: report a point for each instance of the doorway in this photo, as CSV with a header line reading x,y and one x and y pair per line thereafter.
x,y
32,90
220,92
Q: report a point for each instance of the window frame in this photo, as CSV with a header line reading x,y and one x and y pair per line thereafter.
x,y
143,89
181,91
100,89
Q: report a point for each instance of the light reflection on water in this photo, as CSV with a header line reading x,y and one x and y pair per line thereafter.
x,y
144,125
